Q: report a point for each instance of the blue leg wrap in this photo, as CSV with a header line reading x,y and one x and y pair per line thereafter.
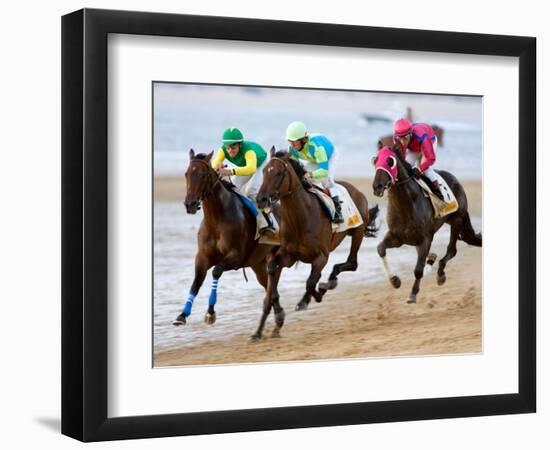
x,y
213,292
189,304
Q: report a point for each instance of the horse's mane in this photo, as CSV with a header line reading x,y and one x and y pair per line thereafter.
x,y
201,156
226,183
298,168
397,150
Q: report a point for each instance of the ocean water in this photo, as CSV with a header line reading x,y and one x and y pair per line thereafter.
x,y
188,117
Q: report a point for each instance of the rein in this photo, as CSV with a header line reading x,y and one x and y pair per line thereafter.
x,y
287,168
207,192
405,180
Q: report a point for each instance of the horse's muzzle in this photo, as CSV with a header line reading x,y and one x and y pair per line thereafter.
x,y
192,207
378,190
263,201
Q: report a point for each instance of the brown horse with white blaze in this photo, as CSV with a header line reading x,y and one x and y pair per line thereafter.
x,y
305,232
410,216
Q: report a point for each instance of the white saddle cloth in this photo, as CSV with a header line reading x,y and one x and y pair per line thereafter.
x,y
352,216
441,209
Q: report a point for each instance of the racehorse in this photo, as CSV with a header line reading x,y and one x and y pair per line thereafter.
x,y
305,232
226,234
410,216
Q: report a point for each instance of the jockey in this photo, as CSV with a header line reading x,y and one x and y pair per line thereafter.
x,y
320,156
420,141
245,161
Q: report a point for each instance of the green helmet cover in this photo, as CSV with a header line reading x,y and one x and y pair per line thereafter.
x,y
232,135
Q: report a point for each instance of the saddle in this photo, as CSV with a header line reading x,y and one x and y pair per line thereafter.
x,y
352,217
441,209
263,238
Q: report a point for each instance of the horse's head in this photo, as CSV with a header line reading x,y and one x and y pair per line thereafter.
x,y
389,167
200,179
279,174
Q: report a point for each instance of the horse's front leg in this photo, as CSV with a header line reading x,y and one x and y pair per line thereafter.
x,y
422,251
315,275
210,316
274,268
389,241
201,267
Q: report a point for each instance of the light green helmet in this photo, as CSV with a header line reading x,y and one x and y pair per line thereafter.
x,y
232,135
295,131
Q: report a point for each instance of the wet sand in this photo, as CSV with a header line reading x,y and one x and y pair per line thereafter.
x,y
357,321
374,320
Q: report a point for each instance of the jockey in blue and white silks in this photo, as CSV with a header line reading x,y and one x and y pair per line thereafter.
x,y
319,157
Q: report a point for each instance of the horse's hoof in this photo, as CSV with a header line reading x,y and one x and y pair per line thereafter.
x,y
431,259
441,279
280,318
180,320
329,285
395,282
256,337
275,333
318,296
210,319
302,306
411,299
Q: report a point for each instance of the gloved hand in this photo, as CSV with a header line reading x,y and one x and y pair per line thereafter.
x,y
416,173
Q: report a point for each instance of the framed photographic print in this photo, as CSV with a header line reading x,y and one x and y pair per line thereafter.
x,y
273,224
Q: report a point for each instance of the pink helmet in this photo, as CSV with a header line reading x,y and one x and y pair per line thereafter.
x,y
402,127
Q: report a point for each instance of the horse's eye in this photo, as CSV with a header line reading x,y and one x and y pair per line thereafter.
x,y
391,162
374,160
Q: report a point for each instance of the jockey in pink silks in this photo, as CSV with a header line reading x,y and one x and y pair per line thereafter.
x,y
418,142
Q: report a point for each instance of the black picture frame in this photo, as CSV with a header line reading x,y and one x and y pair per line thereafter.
x,y
84,224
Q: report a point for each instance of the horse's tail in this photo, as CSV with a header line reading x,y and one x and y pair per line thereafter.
x,y
468,234
370,229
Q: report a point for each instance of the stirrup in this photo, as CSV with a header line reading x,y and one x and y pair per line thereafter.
x,y
338,216
439,194
338,219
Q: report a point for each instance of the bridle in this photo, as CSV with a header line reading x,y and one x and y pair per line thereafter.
x,y
206,192
277,193
398,181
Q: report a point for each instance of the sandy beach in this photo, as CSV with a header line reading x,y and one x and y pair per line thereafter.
x,y
359,319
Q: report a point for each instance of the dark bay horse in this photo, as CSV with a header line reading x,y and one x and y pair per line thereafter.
x,y
410,216
226,234
305,232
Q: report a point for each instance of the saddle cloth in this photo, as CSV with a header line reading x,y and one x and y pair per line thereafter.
x,y
352,216
441,209
272,238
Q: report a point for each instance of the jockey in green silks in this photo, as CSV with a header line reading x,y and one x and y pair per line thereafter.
x,y
320,156
243,161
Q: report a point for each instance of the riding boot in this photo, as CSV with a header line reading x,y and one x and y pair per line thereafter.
x,y
437,191
338,217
